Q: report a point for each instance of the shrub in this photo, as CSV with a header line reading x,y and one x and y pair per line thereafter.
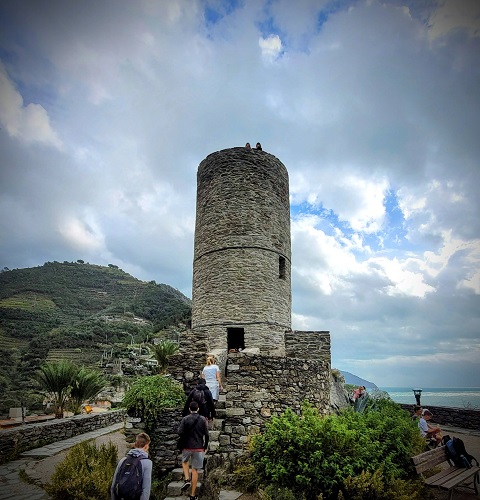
x,y
274,492
311,454
148,396
337,375
85,474
162,352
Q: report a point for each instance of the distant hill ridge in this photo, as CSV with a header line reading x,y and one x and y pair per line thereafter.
x,y
355,380
77,307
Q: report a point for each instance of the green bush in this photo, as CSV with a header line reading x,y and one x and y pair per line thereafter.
x,y
85,474
273,492
311,454
148,396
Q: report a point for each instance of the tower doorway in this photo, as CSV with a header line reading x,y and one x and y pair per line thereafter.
x,y
235,338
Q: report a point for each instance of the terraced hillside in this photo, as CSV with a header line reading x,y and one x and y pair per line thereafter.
x,y
58,309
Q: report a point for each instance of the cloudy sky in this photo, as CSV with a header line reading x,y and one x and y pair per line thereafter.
x,y
107,108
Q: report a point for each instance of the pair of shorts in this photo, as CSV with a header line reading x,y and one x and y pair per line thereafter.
x,y
197,458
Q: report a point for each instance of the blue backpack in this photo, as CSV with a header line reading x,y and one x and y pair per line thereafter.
x,y
457,453
128,483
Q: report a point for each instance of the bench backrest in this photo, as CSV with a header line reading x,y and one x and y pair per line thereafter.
x,y
430,459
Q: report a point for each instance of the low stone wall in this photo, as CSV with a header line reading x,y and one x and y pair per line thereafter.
x,y
466,418
30,436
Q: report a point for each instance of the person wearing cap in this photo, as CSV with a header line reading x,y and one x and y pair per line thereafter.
x,y
427,430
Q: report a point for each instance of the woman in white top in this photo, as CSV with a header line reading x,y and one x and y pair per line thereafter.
x,y
211,374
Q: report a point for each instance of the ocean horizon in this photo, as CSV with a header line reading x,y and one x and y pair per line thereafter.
x,y
453,397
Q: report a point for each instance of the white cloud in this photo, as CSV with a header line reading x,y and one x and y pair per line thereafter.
x,y
29,123
82,235
364,108
454,15
271,47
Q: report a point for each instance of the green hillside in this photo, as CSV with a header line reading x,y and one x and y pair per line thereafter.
x,y
75,310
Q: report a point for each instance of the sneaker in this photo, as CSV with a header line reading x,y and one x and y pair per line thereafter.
x,y
186,484
194,497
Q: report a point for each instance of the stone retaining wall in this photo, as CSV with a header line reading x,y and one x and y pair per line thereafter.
x,y
261,386
465,418
30,436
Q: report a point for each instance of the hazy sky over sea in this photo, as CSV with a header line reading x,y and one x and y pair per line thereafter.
x,y
107,108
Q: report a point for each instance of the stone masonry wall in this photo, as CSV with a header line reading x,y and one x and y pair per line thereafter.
x,y
261,386
30,436
308,345
465,418
241,268
164,437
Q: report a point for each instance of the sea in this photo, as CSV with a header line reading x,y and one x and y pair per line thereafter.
x,y
453,397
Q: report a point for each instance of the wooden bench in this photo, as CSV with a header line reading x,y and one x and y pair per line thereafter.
x,y
450,476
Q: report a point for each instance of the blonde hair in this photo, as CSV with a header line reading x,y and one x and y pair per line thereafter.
x,y
210,360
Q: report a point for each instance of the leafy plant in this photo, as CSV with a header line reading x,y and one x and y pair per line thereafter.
x,y
148,396
373,485
162,352
311,454
337,375
85,474
57,379
86,385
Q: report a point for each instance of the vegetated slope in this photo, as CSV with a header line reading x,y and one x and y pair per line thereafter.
x,y
77,306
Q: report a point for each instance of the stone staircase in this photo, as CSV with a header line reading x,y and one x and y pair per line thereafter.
x,y
174,488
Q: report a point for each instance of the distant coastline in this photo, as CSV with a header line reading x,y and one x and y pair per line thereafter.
x,y
454,397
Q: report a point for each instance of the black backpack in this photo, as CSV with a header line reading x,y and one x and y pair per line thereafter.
x,y
457,453
128,483
199,396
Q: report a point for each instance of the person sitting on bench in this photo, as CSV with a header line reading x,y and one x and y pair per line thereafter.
x,y
427,430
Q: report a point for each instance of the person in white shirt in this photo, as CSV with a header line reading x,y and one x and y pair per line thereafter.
x,y
427,430
213,380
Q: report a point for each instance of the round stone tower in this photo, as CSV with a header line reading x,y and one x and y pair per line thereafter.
x,y
241,295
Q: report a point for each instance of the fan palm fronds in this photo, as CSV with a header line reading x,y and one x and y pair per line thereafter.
x,y
57,378
162,353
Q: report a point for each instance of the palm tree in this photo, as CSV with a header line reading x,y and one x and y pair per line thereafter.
x,y
57,379
162,351
86,385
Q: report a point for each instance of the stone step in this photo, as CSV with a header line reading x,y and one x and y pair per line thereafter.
x,y
213,445
178,474
228,495
221,413
214,435
174,489
217,424
221,402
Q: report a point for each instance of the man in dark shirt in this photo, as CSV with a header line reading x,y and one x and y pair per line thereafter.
x,y
193,430
206,406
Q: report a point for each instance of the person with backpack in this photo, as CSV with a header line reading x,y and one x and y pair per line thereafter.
x,y
133,476
194,437
202,395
